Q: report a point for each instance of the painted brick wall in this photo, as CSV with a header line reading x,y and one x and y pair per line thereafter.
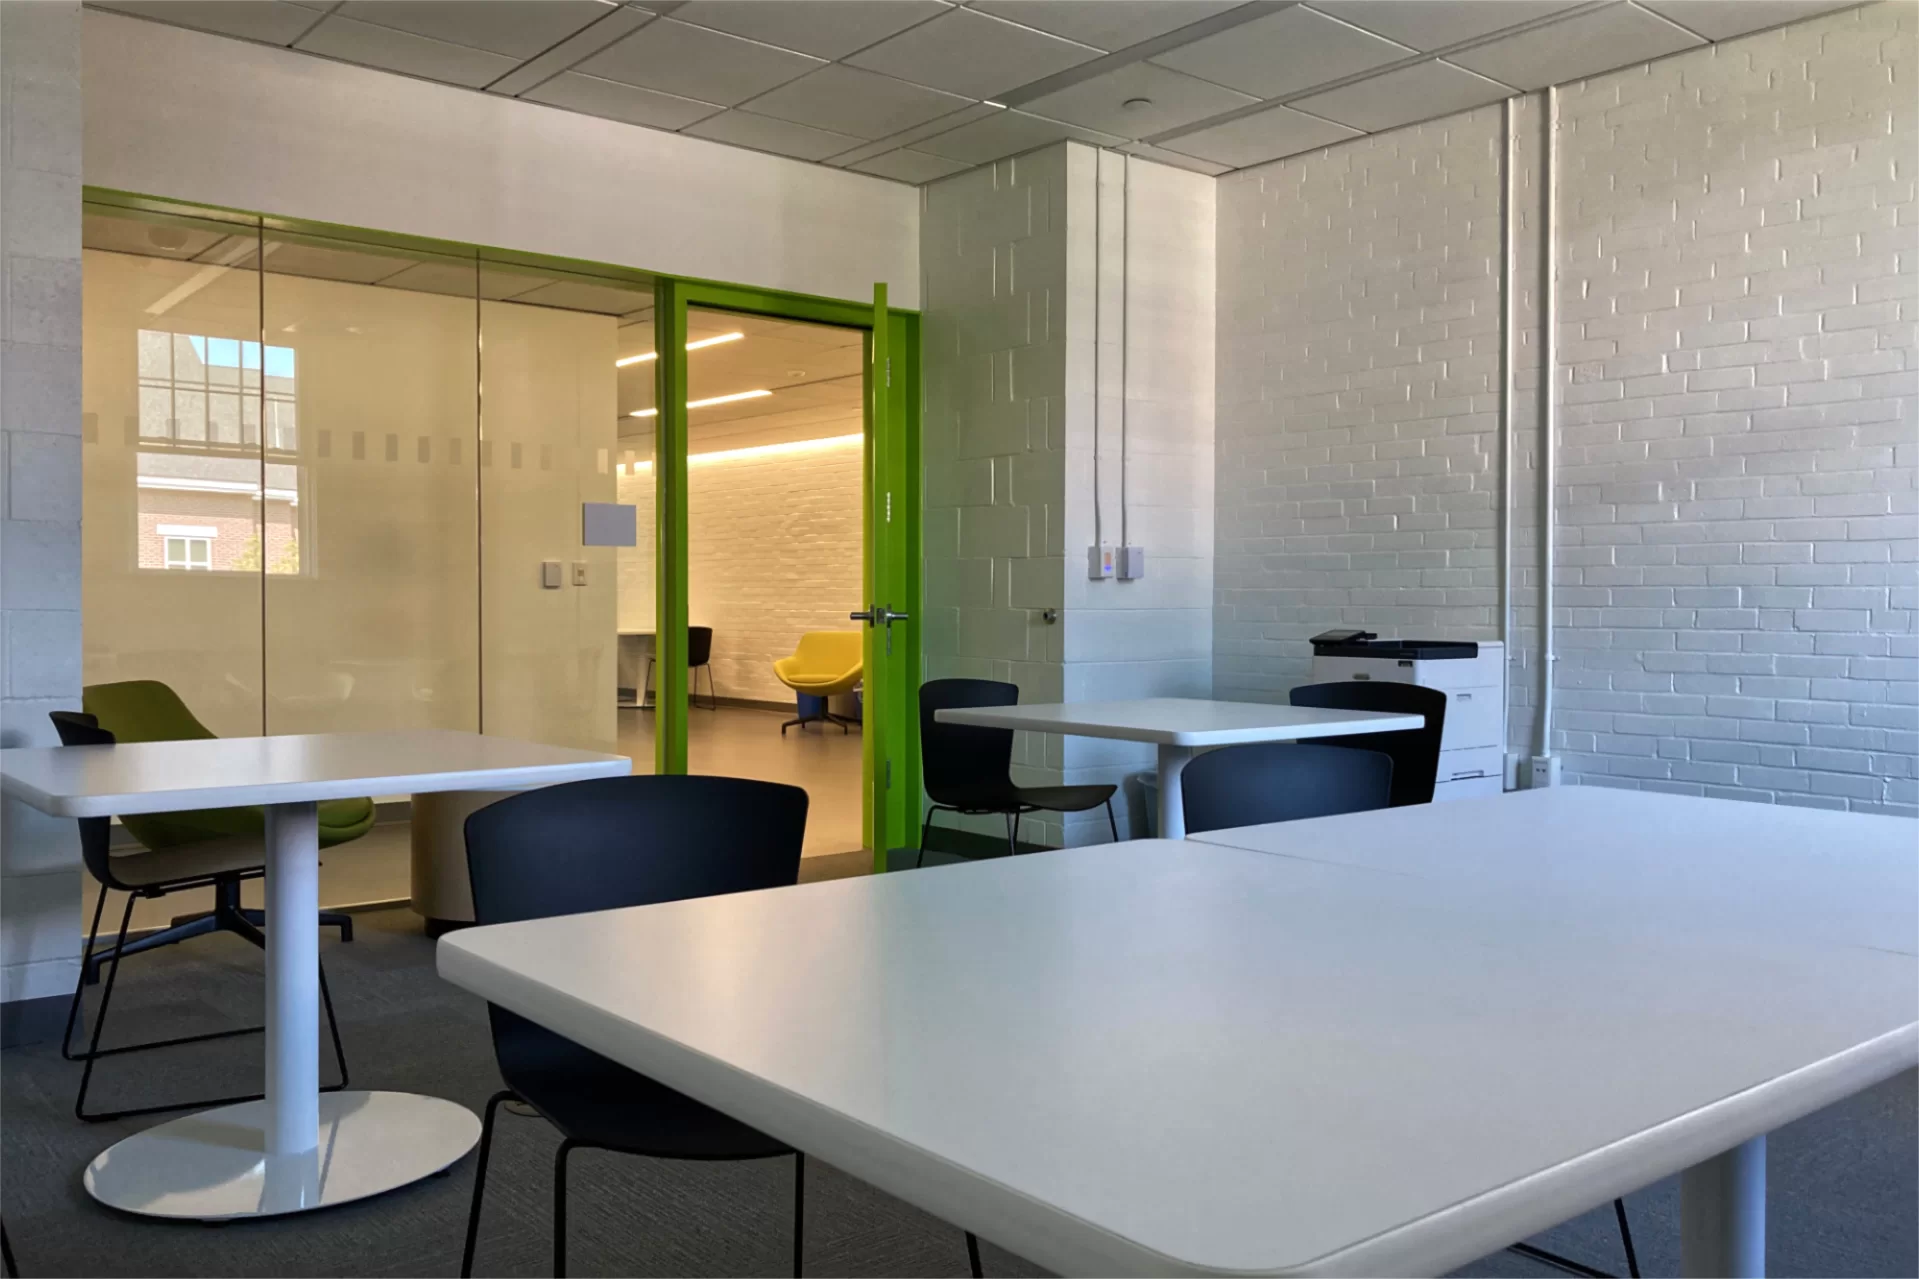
x,y
773,551
994,267
1145,255
1739,352
1359,342
40,499
1737,378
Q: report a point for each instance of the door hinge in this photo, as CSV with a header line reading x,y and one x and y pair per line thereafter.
x,y
889,508
889,370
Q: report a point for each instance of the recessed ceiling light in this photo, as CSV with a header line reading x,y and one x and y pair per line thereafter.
x,y
691,346
700,404
1137,104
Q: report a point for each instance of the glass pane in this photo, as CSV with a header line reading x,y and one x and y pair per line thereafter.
x,y
370,555
775,552
170,537
549,346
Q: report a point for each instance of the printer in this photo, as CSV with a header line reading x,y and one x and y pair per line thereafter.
x,y
1472,749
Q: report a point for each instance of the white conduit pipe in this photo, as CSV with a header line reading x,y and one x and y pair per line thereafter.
x,y
1549,417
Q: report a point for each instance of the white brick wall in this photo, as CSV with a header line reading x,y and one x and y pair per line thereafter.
x,y
773,551
40,498
1358,398
1739,367
1735,577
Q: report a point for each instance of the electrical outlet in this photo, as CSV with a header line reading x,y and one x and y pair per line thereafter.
x,y
1099,562
1542,771
1132,563
579,572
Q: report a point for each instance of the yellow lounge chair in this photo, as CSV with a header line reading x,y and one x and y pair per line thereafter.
x,y
826,662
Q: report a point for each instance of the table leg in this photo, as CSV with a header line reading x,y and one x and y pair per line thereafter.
x,y
1172,804
293,978
1722,1214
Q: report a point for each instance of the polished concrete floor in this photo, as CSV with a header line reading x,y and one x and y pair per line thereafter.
x,y
732,741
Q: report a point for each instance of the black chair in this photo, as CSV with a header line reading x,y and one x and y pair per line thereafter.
x,y
1414,751
598,845
699,653
220,864
968,769
1281,782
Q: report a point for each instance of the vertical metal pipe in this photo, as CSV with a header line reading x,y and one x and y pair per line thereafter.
x,y
1549,414
1508,331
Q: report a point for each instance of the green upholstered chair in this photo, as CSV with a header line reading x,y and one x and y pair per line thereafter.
x,y
145,710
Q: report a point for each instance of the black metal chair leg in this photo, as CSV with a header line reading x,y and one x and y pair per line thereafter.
x,y
6,1255
80,984
197,926
100,1019
333,1024
926,828
799,1211
1625,1237
1012,835
559,1208
972,1255
479,1177
1111,820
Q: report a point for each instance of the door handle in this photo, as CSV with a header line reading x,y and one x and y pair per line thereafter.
x,y
882,614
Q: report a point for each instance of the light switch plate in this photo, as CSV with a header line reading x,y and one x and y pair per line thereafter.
x,y
579,572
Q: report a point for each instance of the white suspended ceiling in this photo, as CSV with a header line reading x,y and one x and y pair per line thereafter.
x,y
914,90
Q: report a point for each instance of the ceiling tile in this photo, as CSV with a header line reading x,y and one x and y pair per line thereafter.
x,y
692,62
1423,91
907,137
1169,101
1006,133
783,137
576,48
1588,44
266,20
1286,52
972,54
1723,19
1106,24
391,50
1429,24
615,101
1159,155
823,28
516,28
910,166
863,103
1262,136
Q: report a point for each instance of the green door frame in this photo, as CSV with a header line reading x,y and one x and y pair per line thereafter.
x,y
894,547
893,558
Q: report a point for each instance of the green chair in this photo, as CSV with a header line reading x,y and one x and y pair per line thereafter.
x,y
145,710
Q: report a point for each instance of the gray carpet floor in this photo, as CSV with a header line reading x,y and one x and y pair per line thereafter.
x,y
1845,1182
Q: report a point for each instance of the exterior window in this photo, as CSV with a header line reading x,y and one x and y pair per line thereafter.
x,y
208,392
187,546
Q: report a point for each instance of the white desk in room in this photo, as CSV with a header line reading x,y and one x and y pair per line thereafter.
x,y
1165,1057
1180,727
298,1148
1809,891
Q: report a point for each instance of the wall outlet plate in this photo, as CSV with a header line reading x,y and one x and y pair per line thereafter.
x,y
1132,563
1542,771
1099,562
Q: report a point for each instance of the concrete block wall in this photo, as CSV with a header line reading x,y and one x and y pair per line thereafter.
x,y
1140,315
40,498
993,257
773,551
1739,373
1015,257
1736,379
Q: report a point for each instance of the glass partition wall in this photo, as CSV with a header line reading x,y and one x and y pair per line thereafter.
x,y
324,477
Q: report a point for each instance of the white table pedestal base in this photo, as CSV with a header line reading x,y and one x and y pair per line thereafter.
x,y
1722,1215
1172,800
213,1166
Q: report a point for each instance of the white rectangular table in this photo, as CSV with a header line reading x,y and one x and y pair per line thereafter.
x,y
1169,1057
1180,727
295,1149
1639,863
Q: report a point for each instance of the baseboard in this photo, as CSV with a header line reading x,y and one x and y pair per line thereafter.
x,y
703,702
965,845
32,1021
